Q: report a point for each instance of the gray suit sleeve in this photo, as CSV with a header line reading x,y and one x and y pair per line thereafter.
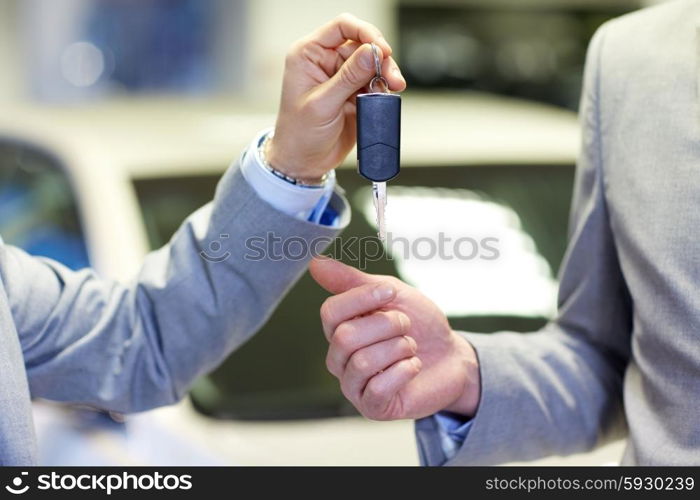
x,y
558,391
130,348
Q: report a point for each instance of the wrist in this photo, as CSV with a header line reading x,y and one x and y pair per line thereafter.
x,y
271,154
468,401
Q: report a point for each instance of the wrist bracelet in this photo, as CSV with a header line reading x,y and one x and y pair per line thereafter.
x,y
297,182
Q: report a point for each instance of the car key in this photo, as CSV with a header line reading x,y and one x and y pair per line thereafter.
x,y
378,139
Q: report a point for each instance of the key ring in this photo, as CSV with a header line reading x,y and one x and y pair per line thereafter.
x,y
378,71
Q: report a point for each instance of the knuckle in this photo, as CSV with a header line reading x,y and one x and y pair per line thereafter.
x,y
306,51
330,364
345,17
350,396
346,393
360,362
294,51
289,57
375,395
312,52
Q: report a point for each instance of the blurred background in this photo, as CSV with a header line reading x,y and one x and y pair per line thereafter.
x,y
117,118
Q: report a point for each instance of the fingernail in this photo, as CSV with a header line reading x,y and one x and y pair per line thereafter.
x,y
411,342
367,57
417,363
384,293
405,322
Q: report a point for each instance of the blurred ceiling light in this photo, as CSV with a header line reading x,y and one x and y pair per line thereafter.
x,y
527,60
82,64
465,55
427,58
517,283
432,55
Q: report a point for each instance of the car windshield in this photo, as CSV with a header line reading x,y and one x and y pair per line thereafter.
x,y
281,374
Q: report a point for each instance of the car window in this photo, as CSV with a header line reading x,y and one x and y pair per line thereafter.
x,y
280,373
38,209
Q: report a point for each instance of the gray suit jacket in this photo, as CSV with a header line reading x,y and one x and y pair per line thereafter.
x,y
628,327
71,336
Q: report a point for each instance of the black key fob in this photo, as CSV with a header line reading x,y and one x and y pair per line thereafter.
x,y
378,135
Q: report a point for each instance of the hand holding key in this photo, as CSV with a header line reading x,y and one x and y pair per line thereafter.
x,y
324,72
378,138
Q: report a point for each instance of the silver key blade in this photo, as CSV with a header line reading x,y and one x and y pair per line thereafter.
x,y
379,198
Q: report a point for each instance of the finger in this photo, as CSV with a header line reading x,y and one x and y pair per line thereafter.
x,y
379,397
347,49
390,70
329,60
392,74
348,27
360,333
368,362
355,302
354,75
337,277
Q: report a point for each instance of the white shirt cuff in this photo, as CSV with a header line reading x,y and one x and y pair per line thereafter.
x,y
298,201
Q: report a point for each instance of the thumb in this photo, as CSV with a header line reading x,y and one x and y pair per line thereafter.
x,y
337,277
353,75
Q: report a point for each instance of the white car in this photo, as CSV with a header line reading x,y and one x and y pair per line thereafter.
x,y
103,184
